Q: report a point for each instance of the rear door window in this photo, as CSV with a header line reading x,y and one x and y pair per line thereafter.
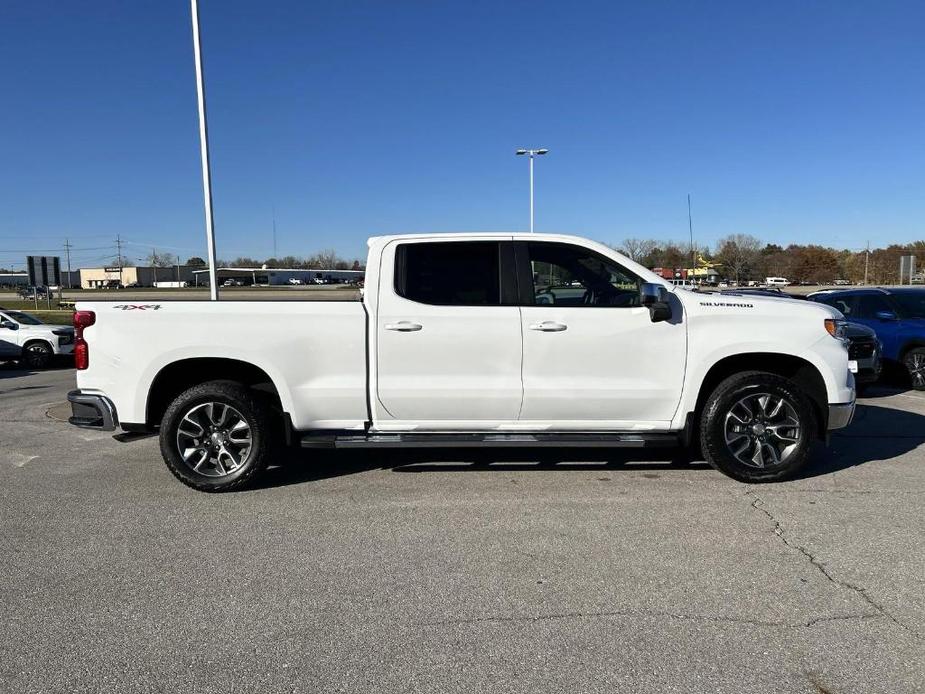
x,y
449,273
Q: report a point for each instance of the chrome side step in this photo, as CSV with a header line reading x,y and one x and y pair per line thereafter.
x,y
465,440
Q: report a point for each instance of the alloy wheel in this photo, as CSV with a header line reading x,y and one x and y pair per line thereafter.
x,y
762,430
214,439
916,365
36,354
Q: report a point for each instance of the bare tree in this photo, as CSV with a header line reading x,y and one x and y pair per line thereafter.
x,y
738,252
155,259
326,259
637,249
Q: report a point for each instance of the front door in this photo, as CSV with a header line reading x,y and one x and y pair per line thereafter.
x,y
593,359
448,336
872,310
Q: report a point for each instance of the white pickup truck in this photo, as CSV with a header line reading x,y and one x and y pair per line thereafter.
x,y
470,340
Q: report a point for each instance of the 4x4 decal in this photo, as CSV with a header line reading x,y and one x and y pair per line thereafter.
x,y
138,307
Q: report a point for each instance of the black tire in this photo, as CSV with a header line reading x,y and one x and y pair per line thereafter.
x,y
199,404
914,361
723,418
36,354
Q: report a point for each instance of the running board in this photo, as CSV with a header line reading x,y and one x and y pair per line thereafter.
x,y
463,440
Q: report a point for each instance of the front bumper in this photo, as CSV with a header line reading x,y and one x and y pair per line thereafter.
x,y
92,411
840,415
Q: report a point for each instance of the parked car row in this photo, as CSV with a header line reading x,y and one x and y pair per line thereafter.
x,y
25,338
884,326
897,316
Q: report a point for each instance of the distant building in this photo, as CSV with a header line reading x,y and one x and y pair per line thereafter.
x,y
111,277
668,273
14,279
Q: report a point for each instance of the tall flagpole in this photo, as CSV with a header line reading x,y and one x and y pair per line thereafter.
x,y
204,150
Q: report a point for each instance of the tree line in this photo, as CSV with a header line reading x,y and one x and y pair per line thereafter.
x,y
743,257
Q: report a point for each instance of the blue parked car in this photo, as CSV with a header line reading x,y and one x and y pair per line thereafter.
x,y
896,315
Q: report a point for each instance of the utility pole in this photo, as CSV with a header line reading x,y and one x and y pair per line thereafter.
x,y
866,262
690,229
204,153
119,255
67,250
274,234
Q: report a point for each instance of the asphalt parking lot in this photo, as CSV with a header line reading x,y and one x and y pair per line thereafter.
x,y
444,572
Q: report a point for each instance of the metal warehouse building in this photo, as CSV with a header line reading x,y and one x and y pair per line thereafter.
x,y
106,277
14,279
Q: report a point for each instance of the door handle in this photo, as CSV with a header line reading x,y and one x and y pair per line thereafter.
x,y
403,326
549,326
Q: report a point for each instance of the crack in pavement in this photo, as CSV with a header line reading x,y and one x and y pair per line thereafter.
x,y
757,504
650,613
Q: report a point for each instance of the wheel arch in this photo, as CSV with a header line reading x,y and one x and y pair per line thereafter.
x,y
909,345
801,371
182,374
33,340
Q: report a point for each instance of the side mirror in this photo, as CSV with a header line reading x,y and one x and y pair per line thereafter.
x,y
651,293
886,315
655,298
8,324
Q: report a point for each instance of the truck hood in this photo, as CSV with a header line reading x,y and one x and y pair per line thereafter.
x,y
727,302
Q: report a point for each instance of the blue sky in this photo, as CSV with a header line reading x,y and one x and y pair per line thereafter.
x,y
792,121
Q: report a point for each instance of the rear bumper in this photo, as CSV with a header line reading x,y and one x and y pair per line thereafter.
x,y
92,411
840,415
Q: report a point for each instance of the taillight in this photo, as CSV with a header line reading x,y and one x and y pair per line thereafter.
x,y
82,319
81,354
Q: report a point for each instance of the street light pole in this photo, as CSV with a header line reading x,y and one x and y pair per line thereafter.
x,y
531,154
204,152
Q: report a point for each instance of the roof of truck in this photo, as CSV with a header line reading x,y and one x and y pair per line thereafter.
x,y
470,234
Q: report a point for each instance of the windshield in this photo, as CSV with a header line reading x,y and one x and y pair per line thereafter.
x,y
912,304
23,318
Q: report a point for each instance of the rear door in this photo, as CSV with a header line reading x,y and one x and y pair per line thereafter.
x,y
448,335
593,359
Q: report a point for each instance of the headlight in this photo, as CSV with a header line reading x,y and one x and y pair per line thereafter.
x,y
836,328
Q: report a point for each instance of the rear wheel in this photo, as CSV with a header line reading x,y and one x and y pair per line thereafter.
x,y
215,437
36,355
914,361
757,427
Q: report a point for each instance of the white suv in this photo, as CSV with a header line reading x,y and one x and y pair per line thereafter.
x,y
26,338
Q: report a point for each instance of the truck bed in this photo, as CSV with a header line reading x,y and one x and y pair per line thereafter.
x,y
314,352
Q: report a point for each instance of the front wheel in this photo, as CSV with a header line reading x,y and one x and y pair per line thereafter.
x,y
757,427
36,355
215,437
914,361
